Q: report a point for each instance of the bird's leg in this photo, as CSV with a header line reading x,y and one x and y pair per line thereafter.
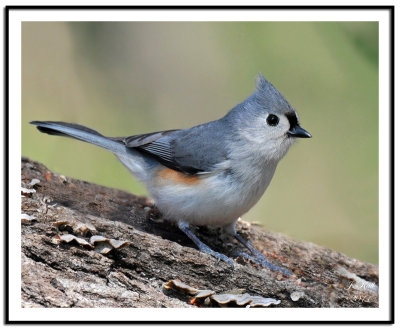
x,y
259,257
184,227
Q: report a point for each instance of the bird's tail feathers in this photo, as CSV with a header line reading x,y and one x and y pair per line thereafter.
x,y
80,132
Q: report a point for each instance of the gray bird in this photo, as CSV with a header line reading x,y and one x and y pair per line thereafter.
x,y
209,174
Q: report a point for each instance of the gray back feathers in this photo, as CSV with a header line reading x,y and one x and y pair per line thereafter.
x,y
192,151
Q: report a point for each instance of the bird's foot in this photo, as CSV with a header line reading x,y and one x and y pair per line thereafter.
x,y
258,257
184,227
263,262
206,249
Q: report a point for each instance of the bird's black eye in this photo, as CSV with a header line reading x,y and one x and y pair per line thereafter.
x,y
272,120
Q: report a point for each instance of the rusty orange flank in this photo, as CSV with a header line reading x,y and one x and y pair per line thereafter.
x,y
179,177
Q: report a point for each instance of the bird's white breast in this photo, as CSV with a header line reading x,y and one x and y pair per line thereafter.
x,y
215,200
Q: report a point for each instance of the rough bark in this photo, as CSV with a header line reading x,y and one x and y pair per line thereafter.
x,y
61,274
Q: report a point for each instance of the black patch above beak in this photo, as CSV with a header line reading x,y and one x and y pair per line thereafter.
x,y
297,131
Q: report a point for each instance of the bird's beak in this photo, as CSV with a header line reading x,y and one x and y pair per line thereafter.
x,y
297,131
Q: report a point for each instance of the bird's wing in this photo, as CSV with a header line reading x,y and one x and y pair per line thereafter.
x,y
191,151
159,146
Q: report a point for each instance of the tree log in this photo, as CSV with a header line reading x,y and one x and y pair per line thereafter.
x,y
81,273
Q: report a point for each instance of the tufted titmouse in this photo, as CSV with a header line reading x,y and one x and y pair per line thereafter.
x,y
210,174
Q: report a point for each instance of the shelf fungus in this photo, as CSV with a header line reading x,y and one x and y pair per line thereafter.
x,y
210,298
27,191
69,238
99,243
104,245
34,182
27,219
74,226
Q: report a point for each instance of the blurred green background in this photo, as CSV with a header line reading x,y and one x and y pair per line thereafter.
x,y
125,78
